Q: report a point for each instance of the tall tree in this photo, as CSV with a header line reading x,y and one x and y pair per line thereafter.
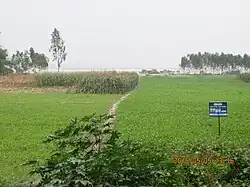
x,y
57,48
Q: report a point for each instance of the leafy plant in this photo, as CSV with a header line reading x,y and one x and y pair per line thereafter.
x,y
89,153
91,82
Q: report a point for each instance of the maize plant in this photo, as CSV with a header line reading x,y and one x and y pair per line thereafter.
x,y
91,82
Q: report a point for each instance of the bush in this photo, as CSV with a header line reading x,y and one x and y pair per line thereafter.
x,y
91,82
88,152
245,77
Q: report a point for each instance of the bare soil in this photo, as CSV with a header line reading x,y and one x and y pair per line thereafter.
x,y
31,89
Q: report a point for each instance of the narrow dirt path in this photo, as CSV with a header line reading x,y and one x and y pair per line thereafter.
x,y
113,112
114,108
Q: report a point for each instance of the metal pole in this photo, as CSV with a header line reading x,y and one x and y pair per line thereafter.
x,y
219,124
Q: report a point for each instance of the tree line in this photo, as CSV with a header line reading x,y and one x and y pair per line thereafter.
x,y
22,62
215,61
32,61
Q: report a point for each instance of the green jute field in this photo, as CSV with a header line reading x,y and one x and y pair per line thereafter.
x,y
174,111
27,118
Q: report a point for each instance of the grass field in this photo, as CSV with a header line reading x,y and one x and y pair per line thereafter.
x,y
27,118
174,110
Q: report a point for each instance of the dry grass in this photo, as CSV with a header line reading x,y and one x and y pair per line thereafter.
x,y
24,83
16,80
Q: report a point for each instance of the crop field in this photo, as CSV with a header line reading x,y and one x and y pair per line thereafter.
x,y
174,111
26,118
169,112
33,106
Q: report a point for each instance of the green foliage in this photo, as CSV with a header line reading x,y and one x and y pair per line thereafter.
x,y
91,82
214,61
39,61
89,152
230,164
23,62
244,77
4,63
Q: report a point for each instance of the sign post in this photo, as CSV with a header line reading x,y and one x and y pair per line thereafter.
x,y
219,124
217,109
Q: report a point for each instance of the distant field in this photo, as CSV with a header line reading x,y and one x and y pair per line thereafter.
x,y
174,110
27,118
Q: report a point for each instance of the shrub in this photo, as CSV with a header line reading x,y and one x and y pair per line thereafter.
x,y
89,153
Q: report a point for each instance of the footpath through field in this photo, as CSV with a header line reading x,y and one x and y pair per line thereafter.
x,y
174,110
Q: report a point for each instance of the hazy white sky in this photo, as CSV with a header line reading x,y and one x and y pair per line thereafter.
x,y
127,33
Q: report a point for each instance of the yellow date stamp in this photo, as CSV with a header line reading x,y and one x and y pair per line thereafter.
x,y
201,160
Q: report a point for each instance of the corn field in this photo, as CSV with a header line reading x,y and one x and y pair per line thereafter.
x,y
90,82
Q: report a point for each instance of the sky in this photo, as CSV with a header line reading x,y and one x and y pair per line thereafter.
x,y
126,33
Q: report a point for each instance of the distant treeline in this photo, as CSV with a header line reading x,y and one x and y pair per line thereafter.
x,y
22,62
215,61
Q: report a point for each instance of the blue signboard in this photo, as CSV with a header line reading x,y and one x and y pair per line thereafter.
x,y
217,108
